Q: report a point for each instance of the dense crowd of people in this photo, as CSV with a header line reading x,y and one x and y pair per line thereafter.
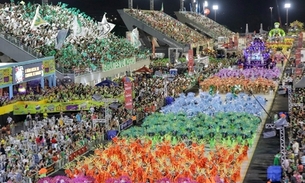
x,y
50,141
216,29
65,93
88,49
168,26
53,140
293,165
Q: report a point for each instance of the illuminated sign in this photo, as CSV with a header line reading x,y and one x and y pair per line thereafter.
x,y
27,72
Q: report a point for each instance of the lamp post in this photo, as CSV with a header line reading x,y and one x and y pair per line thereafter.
x,y
271,8
152,5
205,6
287,6
181,5
130,4
215,8
194,6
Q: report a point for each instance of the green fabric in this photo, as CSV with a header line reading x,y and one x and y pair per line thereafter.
x,y
276,161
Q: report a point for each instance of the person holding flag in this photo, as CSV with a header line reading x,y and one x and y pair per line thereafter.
x,y
37,21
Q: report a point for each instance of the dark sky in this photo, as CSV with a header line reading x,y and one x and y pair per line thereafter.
x,y
232,13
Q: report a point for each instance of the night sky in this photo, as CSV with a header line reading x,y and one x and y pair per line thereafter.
x,y
232,13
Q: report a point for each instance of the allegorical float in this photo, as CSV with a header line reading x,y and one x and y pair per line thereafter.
x,y
257,55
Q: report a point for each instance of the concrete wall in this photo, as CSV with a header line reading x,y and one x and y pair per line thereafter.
x,y
96,77
13,51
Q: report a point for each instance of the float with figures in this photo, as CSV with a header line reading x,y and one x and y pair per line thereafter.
x,y
257,55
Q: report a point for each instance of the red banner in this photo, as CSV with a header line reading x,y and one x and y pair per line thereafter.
x,y
128,95
77,153
190,63
298,71
297,62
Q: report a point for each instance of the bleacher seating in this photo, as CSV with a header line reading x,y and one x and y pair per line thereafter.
x,y
87,50
168,26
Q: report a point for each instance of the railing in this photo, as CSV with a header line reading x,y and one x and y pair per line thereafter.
x,y
17,42
83,71
61,162
142,114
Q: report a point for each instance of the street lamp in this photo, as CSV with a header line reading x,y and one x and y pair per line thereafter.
x,y
271,8
205,4
194,6
152,5
287,6
215,8
182,5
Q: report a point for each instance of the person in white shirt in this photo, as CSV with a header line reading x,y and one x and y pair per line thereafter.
x,y
9,119
295,147
303,159
92,109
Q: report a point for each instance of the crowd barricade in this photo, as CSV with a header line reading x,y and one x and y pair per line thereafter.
x,y
61,162
140,116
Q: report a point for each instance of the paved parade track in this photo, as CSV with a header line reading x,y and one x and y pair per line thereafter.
x,y
266,148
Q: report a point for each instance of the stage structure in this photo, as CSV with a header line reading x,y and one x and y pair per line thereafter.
x,y
256,55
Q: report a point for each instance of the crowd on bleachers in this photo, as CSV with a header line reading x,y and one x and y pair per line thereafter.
x,y
215,28
89,49
65,93
168,26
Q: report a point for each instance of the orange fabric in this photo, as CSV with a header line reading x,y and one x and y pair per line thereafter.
x,y
140,161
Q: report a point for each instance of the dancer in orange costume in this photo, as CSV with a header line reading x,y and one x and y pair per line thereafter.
x,y
141,161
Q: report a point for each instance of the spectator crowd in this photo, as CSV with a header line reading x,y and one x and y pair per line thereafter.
x,y
65,93
216,29
88,49
168,26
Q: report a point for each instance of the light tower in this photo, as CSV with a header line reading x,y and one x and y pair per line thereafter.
x,y
215,8
152,5
181,5
194,5
287,6
130,4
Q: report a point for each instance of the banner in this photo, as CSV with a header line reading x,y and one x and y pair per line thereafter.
x,y
135,38
49,66
50,169
118,64
77,153
126,124
60,38
190,61
6,76
128,95
297,61
33,108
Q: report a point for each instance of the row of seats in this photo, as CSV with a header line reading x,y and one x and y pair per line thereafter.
x,y
168,26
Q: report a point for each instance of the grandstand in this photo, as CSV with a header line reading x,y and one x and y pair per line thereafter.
x,y
85,50
165,28
204,24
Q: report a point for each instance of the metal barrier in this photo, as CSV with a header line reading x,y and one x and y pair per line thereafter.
x,y
62,161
